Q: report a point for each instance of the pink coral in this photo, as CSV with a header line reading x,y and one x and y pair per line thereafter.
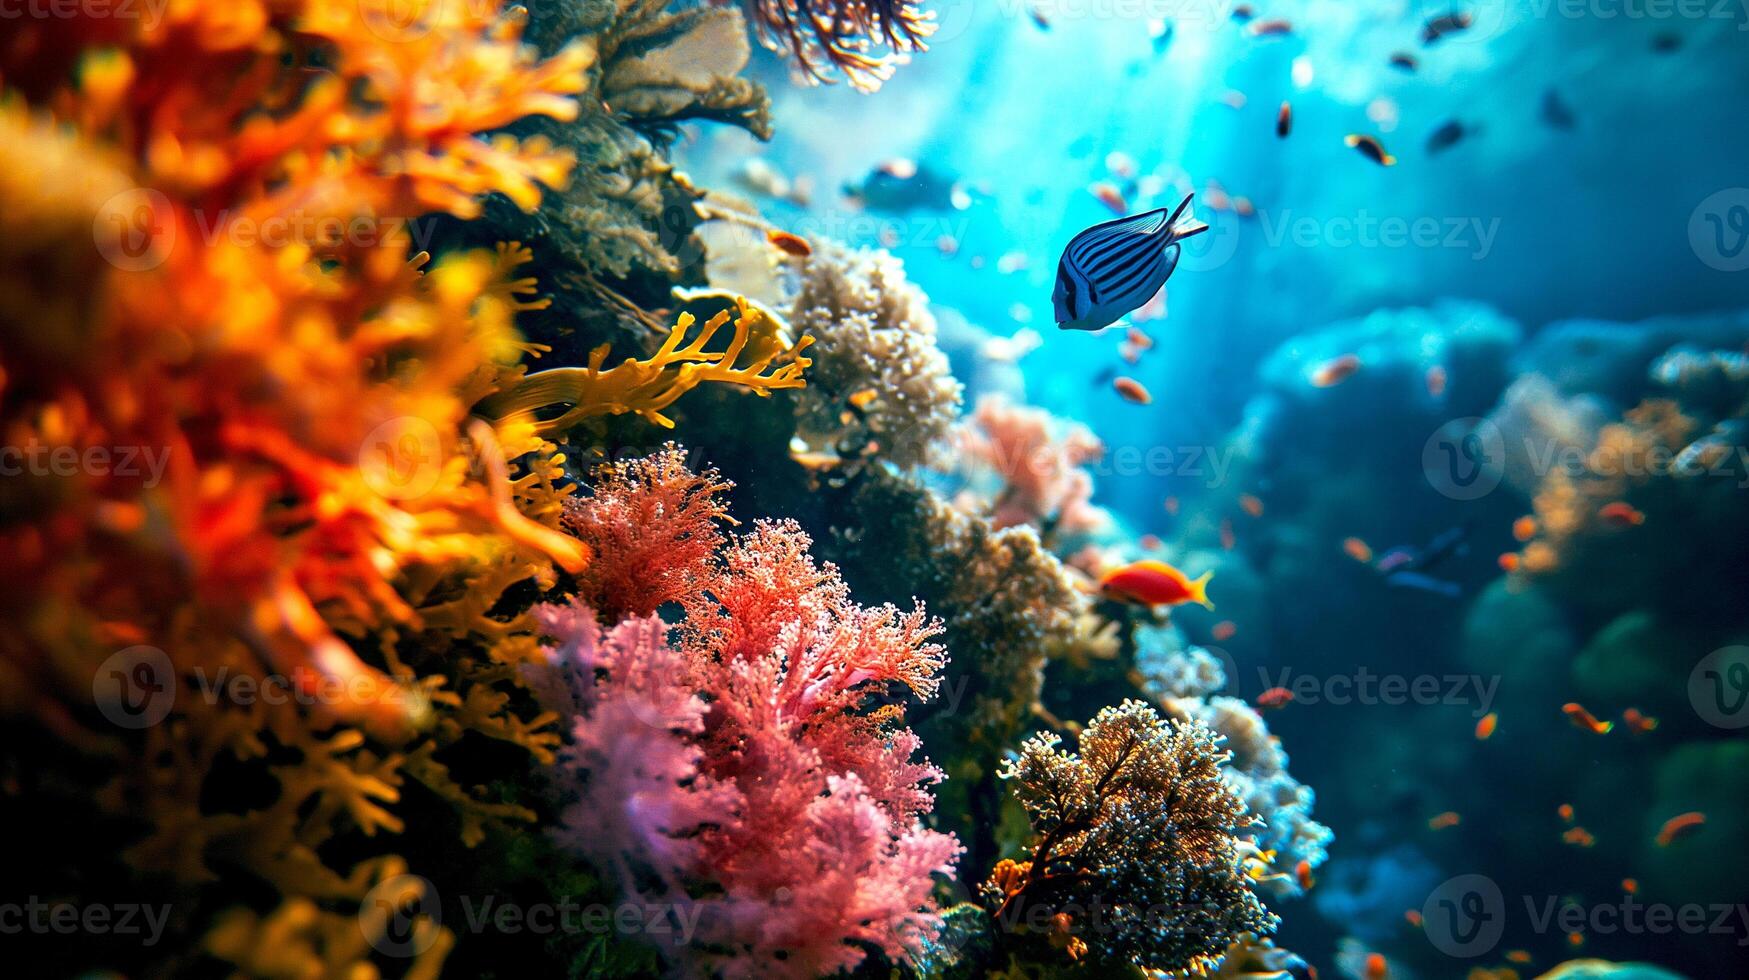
x,y
1038,461
652,524
761,761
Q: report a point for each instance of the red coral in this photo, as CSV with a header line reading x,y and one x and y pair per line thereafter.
x,y
792,802
653,525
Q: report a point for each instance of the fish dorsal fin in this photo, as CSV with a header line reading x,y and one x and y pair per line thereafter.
x,y
1109,233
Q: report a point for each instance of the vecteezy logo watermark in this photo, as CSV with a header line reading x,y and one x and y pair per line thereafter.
x,y
1718,230
1465,916
33,915
401,916
402,459
143,463
1366,688
135,688
135,230
1718,687
1474,235
1465,458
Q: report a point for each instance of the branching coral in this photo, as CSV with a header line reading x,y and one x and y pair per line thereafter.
x,y
792,801
843,34
646,387
1137,826
250,172
1026,467
880,386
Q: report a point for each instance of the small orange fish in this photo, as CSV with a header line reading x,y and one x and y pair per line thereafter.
x,y
1436,380
1251,504
1575,939
1584,720
1444,24
1524,528
1485,727
1151,542
1357,549
1579,837
1335,371
1303,874
1441,821
1243,207
1518,956
1370,148
1151,582
1227,539
1565,811
1172,506
1630,885
863,398
1132,391
789,244
1621,514
1111,197
1223,631
1376,968
1233,99
1140,340
1284,120
1413,917
1271,28
1275,697
1509,561
1678,827
1638,722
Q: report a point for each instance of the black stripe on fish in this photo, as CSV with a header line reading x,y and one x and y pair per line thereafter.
x,y
1101,238
1067,282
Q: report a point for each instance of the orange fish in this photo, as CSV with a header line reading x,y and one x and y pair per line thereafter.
x,y
1509,561
863,398
789,244
1575,939
1172,506
1251,504
1370,148
1335,371
1566,812
1223,630
1638,722
1436,380
1579,837
1111,197
1584,720
1284,120
1151,542
1680,826
1151,582
1243,207
1132,391
1303,874
1443,820
1413,917
1357,549
1518,956
1274,698
1376,968
1227,539
1485,727
1140,340
1524,528
1620,514
1630,885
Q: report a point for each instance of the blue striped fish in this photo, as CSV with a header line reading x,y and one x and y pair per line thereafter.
x,y
1115,267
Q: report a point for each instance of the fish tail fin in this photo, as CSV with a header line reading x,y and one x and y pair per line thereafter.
x,y
1178,232
1199,590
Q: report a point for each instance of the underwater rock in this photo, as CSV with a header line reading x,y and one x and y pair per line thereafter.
x,y
1706,866
1610,360
1605,970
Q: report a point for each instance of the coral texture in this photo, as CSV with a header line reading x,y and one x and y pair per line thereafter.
x,y
794,795
1138,825
880,385
846,35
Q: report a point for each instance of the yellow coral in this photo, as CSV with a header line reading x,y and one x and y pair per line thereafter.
x,y
646,387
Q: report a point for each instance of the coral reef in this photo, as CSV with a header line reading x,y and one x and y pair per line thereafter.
x,y
1137,826
880,386
846,35
1026,467
744,759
